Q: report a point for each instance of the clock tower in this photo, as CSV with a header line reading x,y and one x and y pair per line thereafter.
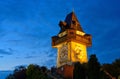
x,y
71,42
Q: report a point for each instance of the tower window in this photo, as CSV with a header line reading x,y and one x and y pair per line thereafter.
x,y
73,22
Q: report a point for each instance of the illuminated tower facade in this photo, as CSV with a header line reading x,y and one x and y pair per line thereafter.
x,y
71,42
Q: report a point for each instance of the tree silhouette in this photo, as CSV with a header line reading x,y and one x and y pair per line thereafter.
x,y
79,71
90,70
116,65
113,69
33,72
93,68
36,72
20,72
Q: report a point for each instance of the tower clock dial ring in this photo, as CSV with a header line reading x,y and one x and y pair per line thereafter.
x,y
78,53
63,53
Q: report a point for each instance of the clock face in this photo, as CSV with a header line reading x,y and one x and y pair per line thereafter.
x,y
78,53
63,53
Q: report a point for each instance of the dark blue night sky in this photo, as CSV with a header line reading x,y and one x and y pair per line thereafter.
x,y
26,28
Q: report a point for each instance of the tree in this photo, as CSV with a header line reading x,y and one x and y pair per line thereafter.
x,y
20,72
93,68
116,65
53,70
43,69
44,73
36,72
113,69
33,72
79,71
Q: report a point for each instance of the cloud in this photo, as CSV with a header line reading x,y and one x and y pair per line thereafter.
x,y
4,52
28,57
52,52
1,56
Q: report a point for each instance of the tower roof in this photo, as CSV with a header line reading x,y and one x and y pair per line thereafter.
x,y
71,22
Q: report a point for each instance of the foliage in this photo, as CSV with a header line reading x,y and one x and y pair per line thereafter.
x,y
93,68
32,72
53,70
90,70
116,65
113,69
20,72
79,71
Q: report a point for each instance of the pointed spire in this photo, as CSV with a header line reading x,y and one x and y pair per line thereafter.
x,y
71,22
